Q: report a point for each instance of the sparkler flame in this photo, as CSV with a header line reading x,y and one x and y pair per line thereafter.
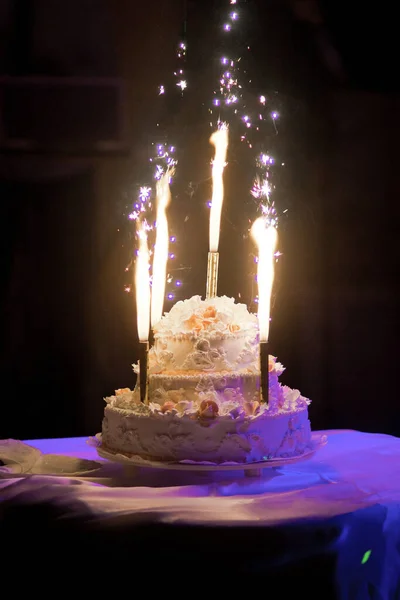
x,y
266,239
160,249
142,283
219,140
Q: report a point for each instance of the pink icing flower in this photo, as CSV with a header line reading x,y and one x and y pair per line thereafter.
x,y
210,312
167,406
208,409
122,391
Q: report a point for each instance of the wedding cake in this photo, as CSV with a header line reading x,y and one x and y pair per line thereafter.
x,y
204,403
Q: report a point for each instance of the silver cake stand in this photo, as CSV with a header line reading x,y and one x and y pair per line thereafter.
x,y
253,469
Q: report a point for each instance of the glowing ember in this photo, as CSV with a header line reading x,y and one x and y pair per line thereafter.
x,y
219,140
266,239
160,249
142,284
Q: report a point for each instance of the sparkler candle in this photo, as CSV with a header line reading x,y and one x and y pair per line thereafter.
x,y
219,140
161,248
265,238
142,286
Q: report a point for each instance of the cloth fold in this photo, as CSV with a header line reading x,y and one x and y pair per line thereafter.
x,y
352,471
341,505
19,458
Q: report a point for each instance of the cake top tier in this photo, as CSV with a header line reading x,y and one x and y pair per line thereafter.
x,y
220,315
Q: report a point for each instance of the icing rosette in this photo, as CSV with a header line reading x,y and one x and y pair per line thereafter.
x,y
216,315
123,398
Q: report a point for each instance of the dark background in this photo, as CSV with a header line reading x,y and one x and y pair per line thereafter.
x,y
78,104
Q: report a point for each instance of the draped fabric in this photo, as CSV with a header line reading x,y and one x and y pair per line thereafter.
x,y
341,506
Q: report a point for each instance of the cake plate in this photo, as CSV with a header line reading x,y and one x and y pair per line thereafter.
x,y
253,469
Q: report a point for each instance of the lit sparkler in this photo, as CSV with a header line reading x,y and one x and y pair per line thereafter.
x,y
162,160
160,249
265,237
142,289
219,140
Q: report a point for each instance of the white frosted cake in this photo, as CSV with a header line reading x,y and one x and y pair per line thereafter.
x,y
204,394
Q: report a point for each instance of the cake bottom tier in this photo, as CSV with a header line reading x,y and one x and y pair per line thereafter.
x,y
172,437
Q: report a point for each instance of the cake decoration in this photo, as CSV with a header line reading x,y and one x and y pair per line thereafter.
x,y
207,387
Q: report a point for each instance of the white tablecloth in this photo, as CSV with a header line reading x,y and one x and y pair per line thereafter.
x,y
353,471
341,506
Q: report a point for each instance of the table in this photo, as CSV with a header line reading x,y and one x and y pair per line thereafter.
x,y
335,516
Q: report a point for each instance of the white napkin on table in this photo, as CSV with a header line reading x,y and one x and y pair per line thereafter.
x,y
18,458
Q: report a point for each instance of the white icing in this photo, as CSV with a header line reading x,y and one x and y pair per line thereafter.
x,y
222,387
171,436
206,335
204,393
124,398
199,352
190,316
